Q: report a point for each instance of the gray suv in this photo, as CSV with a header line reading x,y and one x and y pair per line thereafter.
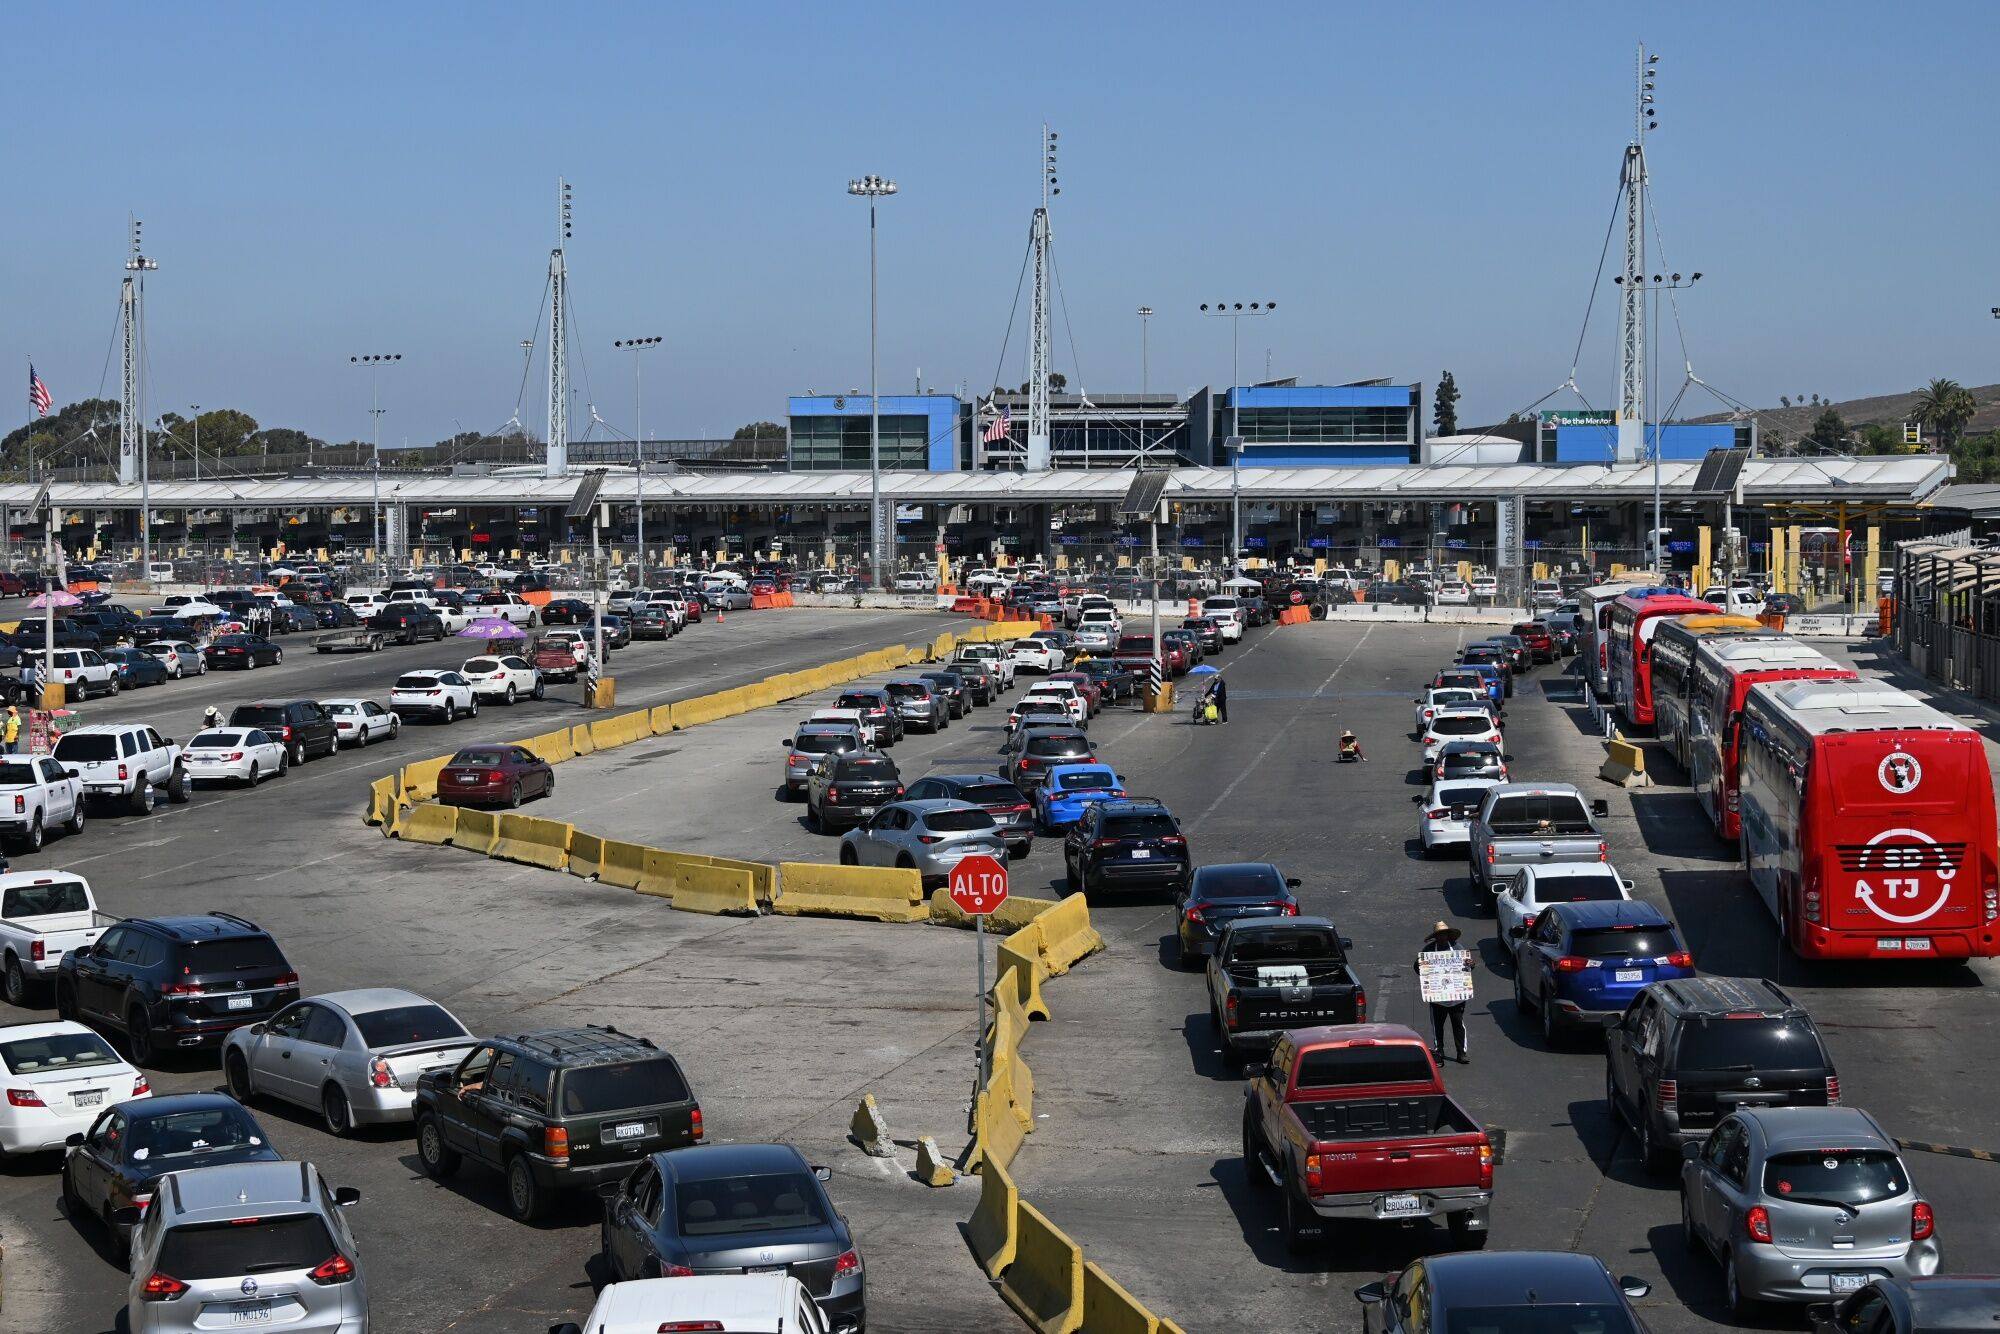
x,y
930,837
918,704
1800,1204
248,1244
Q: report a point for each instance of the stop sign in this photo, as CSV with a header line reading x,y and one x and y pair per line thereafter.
x,y
978,885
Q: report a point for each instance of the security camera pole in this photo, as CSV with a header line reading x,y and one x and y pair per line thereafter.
x,y
583,505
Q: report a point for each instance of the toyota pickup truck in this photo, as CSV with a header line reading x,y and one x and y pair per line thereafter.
x,y
1353,1122
43,916
1271,974
1532,824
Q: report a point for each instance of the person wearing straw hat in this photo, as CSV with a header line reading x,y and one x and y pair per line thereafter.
x,y
1443,940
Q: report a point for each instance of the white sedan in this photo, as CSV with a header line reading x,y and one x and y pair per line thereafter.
x,y
180,656
1059,692
1439,698
441,694
504,677
60,1078
1520,898
1459,725
1036,655
234,755
357,722
1446,811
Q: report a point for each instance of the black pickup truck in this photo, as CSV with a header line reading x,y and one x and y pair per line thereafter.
x,y
1269,975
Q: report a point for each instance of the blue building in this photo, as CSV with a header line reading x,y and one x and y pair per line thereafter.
x,y
1292,425
829,432
1592,437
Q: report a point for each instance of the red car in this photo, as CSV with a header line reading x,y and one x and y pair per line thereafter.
x,y
1091,688
1541,644
1136,652
499,775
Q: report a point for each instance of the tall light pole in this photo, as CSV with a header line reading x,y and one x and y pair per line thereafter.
x,y
638,345
873,188
375,361
1672,282
1145,370
1235,312
194,415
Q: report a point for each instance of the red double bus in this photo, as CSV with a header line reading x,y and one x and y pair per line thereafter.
x,y
1635,616
1867,823
1724,672
1674,645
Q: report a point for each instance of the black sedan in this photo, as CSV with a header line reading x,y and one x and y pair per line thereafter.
x,y
1225,893
566,611
617,632
334,615
115,1164
735,1209
649,622
245,651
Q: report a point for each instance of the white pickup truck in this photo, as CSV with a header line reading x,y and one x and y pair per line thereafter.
x,y
82,672
36,795
43,916
512,606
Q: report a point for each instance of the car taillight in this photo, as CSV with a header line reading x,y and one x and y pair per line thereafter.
x,y
183,989
555,1142
336,1268
1812,905
930,838
899,789
20,803
233,756
1667,1095
1029,762
1603,850
1922,1221
380,1075
1991,880
1832,1090
161,1287
1194,914
140,1088
1361,1005
694,1123
1104,843
1286,908
1681,959
1174,841
1437,814
38,950
1229,1007
1757,1223
24,1098
1489,846
1486,1164
1315,1178
849,1262
123,773
1570,963
287,732
833,794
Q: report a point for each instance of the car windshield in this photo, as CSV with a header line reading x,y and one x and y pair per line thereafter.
x,y
1458,797
1838,1176
1540,813
771,1202
1287,946
820,743
193,1134
1645,942
57,896
1336,1067
614,1088
1757,1042
869,768
481,665
407,1023
992,794
238,954
1214,883
479,759
1593,888
87,749
214,740
1142,824
1058,746
416,682
958,822
1448,699
55,1051
1089,780
1540,1318
244,1246
1464,725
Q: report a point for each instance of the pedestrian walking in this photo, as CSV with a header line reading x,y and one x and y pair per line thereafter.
x,y
1219,692
10,734
1444,974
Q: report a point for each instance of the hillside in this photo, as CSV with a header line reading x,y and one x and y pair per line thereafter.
x,y
1890,410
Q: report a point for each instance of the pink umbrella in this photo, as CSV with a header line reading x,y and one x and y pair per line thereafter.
x,y
61,597
492,627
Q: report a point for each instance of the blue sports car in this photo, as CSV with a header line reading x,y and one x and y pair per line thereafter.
x,y
1070,787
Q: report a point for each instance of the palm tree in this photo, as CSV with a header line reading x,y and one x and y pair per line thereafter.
x,y
1945,406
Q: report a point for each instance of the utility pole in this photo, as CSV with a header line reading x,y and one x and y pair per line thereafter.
x,y
638,345
1145,370
375,361
873,188
131,411
194,415
557,462
1632,301
1038,333
1235,312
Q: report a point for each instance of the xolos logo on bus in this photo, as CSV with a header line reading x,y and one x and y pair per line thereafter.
x,y
1899,773
1893,868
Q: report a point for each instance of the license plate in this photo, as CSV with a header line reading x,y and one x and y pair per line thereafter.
x,y
1849,1282
628,1130
1889,943
1141,854
1629,975
260,1314
1915,943
766,1269
88,1098
1395,1206
241,1002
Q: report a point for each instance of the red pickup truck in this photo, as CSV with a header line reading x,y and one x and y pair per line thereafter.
x,y
1352,1121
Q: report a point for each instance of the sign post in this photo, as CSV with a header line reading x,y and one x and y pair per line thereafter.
x,y
978,885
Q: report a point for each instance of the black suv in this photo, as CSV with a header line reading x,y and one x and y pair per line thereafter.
x,y
982,679
951,686
878,710
570,1108
1689,1052
846,789
172,982
407,624
1126,843
300,725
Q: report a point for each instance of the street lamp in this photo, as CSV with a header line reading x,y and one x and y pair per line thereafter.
x,y
873,188
194,415
1234,312
638,345
1667,282
374,362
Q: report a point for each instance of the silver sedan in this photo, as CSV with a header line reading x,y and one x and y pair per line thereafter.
x,y
929,837
355,1056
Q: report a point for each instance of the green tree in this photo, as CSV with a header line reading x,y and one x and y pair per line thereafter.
x,y
66,437
222,431
759,431
1444,412
1945,406
1977,457
1828,431
1879,439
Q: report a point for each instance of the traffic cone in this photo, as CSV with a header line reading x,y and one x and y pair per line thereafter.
x,y
720,619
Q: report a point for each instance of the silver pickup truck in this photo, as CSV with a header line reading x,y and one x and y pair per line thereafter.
x,y
1532,824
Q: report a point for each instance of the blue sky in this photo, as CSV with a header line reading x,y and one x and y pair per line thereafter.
x,y
1417,186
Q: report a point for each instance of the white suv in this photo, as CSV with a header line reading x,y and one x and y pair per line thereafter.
x,y
443,694
1228,613
124,762
503,677
82,672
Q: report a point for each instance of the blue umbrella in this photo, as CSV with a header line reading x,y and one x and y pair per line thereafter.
x,y
1204,670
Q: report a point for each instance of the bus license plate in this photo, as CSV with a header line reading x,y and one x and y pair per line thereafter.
x,y
1398,1206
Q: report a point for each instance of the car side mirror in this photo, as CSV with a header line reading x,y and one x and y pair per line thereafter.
x,y
1691,1150
1293,882
346,1195
822,1173
1418,799
570,1328
166,741
74,773
1368,1294
1628,884
1633,1286
1254,1069
1599,808
74,1141
128,1216
786,743
1346,943
256,1029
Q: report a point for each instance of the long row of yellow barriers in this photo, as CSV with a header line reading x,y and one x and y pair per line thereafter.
x,y
1039,1270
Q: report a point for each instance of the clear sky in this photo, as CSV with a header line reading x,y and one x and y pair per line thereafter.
x,y
1419,187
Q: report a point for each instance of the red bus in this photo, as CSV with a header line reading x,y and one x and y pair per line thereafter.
x,y
1867,823
1674,645
1724,671
1635,616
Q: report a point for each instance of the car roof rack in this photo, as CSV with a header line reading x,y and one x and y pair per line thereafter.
x,y
237,918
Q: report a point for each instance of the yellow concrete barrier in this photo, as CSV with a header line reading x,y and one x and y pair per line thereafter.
x,y
554,747
429,823
661,719
996,1131
383,796
478,831
620,863
420,777
760,696
1008,1076
533,841
1015,913
1067,935
873,893
694,883
586,854
1006,995
1624,764
580,740
942,646
1044,1285
1022,952
1109,1309
622,730
991,1227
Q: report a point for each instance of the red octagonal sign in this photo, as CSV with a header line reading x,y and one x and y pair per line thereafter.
x,y
978,885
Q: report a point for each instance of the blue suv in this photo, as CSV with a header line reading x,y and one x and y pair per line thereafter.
x,y
1581,964
1491,676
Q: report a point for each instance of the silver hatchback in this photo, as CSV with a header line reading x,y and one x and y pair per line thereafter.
x,y
929,836
1804,1204
254,1244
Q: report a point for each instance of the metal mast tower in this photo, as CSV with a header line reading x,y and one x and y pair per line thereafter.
x,y
131,424
1632,298
1038,359
558,455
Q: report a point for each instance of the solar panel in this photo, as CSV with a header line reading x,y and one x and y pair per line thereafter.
x,y
1142,498
1719,471
585,497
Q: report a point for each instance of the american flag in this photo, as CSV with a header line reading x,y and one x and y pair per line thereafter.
x,y
38,393
998,428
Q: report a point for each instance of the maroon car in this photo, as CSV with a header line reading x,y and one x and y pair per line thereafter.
x,y
1541,644
498,775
